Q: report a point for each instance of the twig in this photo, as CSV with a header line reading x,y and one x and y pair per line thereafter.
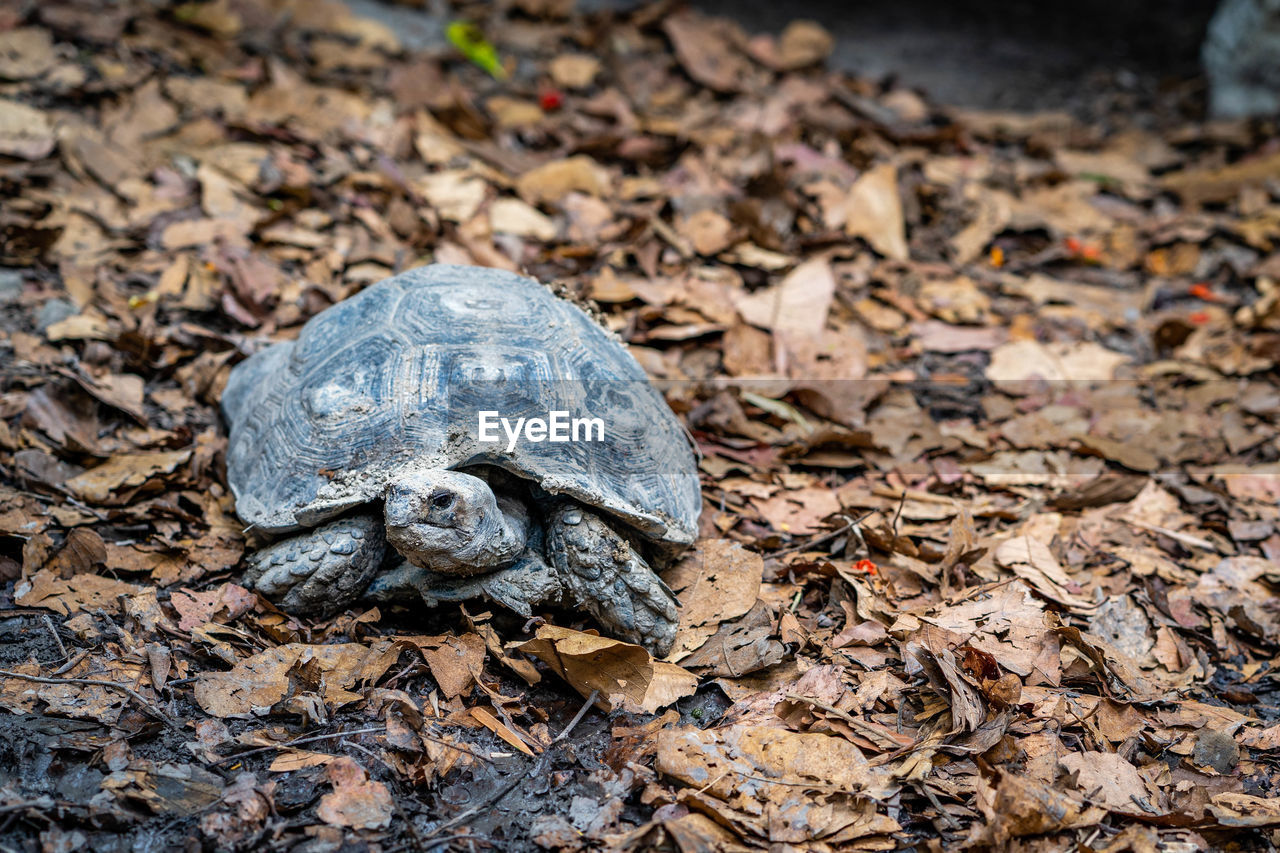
x,y
876,735
826,537
897,514
48,623
577,718
1184,538
39,803
538,769
71,664
299,741
455,746
933,798
112,685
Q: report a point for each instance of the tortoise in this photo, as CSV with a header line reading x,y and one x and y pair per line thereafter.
x,y
360,463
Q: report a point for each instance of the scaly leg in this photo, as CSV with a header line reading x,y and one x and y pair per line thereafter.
x,y
603,574
322,570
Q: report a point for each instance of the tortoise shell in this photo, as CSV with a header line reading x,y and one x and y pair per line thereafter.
x,y
396,378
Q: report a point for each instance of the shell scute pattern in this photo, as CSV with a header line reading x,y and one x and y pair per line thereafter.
x,y
396,375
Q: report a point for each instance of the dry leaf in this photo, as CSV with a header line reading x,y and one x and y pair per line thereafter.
x,y
127,471
356,801
719,581
623,673
574,70
704,48
873,211
24,131
551,182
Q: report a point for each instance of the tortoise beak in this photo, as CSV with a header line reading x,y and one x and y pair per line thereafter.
x,y
401,509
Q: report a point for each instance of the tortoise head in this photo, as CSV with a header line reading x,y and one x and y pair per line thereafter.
x,y
450,522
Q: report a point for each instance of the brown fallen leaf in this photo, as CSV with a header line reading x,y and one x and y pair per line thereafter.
x,y
126,471
1245,810
175,789
574,70
513,216
762,777
254,685
1198,186
1106,779
356,801
551,182
705,49
803,43
795,308
299,759
25,131
1023,361
623,673
501,729
26,52
80,593
717,582
197,608
873,211
1020,806
455,662
1031,560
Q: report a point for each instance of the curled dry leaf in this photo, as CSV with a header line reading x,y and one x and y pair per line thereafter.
x,y
625,674
873,211
123,472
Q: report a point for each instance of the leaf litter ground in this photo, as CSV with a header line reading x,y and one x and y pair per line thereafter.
x,y
986,404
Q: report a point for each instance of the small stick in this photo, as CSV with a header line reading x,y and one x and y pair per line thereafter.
x,y
40,803
292,743
873,733
826,537
933,798
48,623
455,746
112,685
577,718
71,664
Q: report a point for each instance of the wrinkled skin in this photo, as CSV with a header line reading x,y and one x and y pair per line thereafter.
x,y
459,539
451,522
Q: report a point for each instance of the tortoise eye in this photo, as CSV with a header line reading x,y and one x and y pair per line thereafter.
x,y
441,499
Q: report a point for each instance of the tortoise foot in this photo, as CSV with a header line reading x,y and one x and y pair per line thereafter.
x,y
603,574
323,570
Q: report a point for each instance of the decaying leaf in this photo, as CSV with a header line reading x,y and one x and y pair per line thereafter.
x,y
719,581
356,801
625,675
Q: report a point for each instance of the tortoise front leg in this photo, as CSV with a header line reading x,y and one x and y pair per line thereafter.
x,y
322,570
604,575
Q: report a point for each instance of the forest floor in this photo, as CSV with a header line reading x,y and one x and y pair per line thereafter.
x,y
986,404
